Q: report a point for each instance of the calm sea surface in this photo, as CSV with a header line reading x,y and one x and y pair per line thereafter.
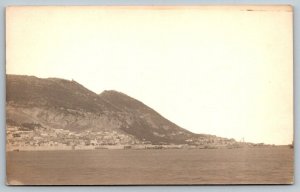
x,y
172,166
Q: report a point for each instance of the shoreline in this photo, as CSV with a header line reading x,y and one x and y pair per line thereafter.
x,y
153,147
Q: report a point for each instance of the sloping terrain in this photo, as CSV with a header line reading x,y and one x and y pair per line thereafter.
x,y
59,103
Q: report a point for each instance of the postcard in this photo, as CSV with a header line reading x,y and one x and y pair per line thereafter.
x,y
149,95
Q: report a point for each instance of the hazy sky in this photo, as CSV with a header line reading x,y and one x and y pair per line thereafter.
x,y
218,71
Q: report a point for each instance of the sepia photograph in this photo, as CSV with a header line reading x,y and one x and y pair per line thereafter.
x,y
149,95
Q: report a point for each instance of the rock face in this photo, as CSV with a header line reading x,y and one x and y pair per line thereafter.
x,y
62,104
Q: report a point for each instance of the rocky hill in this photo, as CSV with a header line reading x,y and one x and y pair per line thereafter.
x,y
61,104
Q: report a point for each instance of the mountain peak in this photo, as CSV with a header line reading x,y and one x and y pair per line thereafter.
x,y
32,91
64,104
112,92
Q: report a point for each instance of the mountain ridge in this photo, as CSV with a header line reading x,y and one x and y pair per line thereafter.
x,y
63,104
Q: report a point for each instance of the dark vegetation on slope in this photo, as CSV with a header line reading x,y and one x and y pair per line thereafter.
x,y
81,107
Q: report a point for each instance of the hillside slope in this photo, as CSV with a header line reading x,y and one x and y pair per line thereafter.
x,y
59,103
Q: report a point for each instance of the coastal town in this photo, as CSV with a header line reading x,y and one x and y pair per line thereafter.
x,y
31,136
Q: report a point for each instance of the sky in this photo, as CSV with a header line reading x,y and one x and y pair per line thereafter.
x,y
226,71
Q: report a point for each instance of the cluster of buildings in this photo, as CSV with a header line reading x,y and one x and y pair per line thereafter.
x,y
211,141
36,137
40,138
